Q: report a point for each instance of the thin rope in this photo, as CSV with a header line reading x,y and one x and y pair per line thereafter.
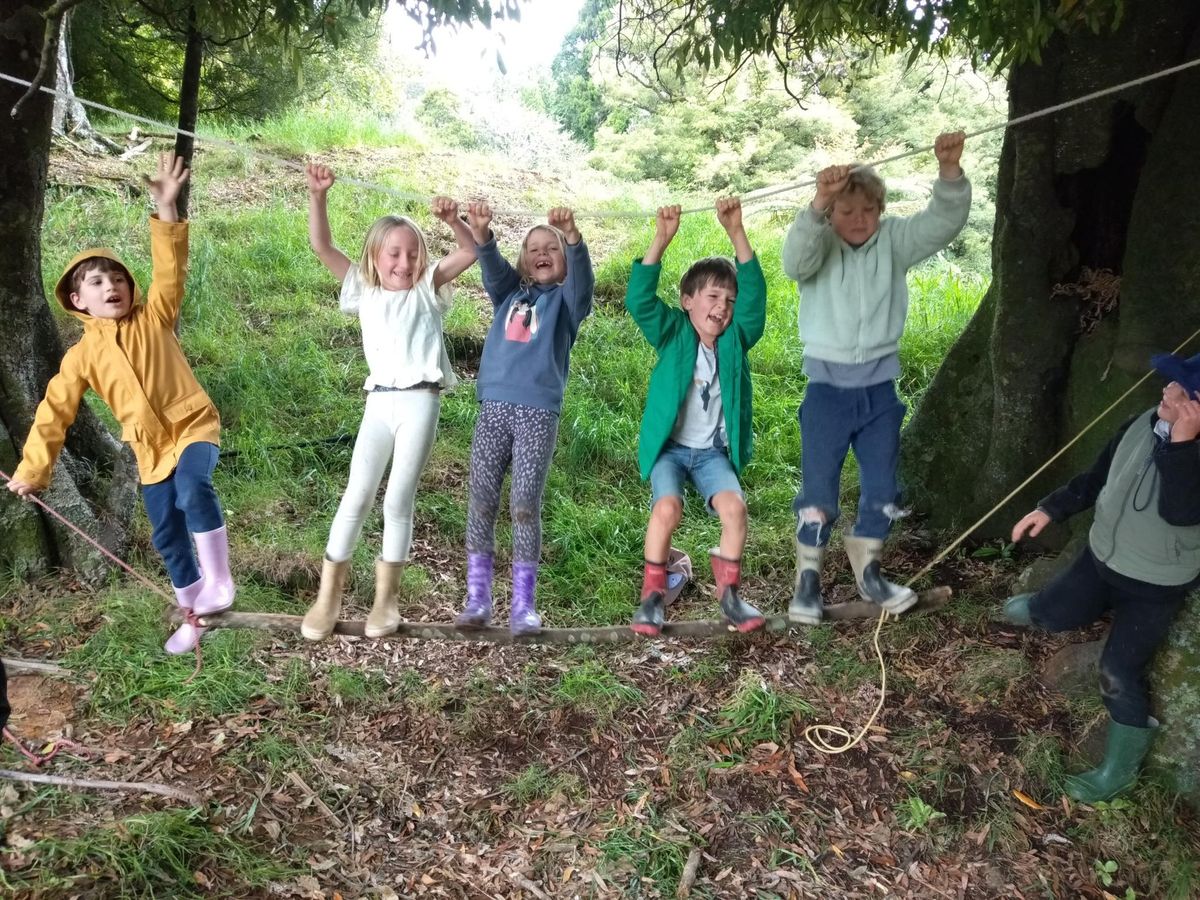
x,y
50,750
815,734
748,198
189,616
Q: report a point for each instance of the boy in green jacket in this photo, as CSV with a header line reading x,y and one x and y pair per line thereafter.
x,y
697,423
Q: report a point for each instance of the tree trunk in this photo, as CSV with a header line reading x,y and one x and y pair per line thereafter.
x,y
70,118
1097,186
68,111
1104,185
95,482
189,105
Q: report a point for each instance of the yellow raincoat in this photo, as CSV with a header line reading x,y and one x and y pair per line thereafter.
x,y
135,365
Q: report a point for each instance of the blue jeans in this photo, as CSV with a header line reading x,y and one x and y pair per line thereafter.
x,y
832,421
709,470
183,504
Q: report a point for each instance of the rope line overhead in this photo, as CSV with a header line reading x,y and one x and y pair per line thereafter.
x,y
750,197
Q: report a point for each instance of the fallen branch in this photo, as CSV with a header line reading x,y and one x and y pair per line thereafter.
x,y
17,666
295,779
688,878
930,600
148,787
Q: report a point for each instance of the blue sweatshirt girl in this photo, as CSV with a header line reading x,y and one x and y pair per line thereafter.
x,y
538,308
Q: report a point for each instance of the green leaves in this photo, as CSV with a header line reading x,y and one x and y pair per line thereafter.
x,y
716,33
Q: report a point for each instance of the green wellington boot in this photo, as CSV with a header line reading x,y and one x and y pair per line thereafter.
x,y
1123,754
1016,610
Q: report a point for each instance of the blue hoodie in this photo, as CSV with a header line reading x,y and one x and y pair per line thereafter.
x,y
528,348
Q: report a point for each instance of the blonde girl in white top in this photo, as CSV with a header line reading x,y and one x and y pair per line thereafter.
x,y
400,298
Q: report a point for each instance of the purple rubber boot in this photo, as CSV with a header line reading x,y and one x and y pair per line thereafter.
x,y
212,551
478,611
524,618
187,635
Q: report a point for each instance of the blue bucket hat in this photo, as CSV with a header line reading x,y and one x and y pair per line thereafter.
x,y
1185,372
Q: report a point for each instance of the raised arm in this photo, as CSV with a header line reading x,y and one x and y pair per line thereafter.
x,y
320,180
652,316
924,234
168,240
750,309
666,226
165,186
461,259
729,214
500,279
810,238
579,288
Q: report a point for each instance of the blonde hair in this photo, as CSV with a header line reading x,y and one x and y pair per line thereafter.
x,y
377,234
527,277
865,180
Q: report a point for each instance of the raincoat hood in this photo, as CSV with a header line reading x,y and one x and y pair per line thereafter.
x,y
62,290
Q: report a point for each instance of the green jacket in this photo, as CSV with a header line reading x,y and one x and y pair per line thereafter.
x,y
670,332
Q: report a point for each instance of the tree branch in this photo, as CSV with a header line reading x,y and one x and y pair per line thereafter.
x,y
54,18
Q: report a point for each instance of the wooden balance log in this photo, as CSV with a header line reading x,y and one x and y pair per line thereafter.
x,y
706,629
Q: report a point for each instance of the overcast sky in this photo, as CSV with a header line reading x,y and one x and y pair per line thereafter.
x,y
467,57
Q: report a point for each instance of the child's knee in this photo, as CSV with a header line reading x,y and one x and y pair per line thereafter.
x,y
730,507
667,512
813,515
524,513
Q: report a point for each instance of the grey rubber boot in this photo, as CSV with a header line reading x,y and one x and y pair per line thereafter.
x,y
1016,610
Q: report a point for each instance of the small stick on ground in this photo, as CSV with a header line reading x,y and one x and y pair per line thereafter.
x,y
19,666
309,792
690,870
149,787
526,885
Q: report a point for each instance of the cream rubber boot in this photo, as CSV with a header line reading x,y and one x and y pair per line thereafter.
x,y
807,603
864,556
322,616
385,613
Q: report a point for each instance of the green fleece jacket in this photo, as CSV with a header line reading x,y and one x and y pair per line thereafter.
x,y
854,300
670,332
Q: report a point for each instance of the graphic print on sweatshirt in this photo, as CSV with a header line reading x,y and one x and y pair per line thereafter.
x,y
522,323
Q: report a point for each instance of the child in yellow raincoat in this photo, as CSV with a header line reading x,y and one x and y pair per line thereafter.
x,y
130,356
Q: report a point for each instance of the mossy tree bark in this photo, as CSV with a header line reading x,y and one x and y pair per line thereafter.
x,y
95,482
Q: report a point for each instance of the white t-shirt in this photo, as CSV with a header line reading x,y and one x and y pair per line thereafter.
x,y
700,423
401,331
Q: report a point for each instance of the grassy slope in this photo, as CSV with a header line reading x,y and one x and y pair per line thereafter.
x,y
645,753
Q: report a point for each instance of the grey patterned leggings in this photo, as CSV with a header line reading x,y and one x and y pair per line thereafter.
x,y
523,436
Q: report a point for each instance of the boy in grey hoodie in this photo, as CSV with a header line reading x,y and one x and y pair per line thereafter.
x,y
850,265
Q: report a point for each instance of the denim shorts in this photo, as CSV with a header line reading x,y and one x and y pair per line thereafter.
x,y
709,470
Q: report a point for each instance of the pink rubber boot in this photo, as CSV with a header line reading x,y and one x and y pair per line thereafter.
x,y
187,635
212,552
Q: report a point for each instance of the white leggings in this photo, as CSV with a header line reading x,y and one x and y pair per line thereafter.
x,y
396,425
